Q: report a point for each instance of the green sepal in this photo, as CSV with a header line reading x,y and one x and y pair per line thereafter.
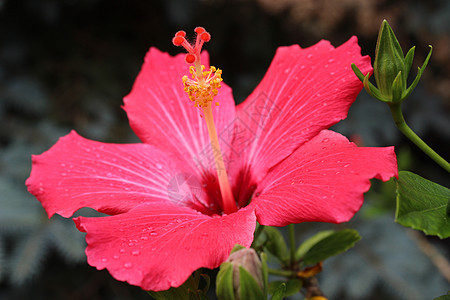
x,y
408,62
293,286
279,292
236,247
224,282
419,75
330,245
275,243
389,60
422,205
265,272
373,91
358,72
397,88
249,288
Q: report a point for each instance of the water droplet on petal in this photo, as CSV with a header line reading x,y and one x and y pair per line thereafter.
x,y
346,165
153,233
104,260
122,250
127,265
116,256
325,140
144,238
135,252
159,166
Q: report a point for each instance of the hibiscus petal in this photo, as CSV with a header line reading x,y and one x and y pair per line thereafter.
x,y
303,92
158,245
161,113
322,181
110,178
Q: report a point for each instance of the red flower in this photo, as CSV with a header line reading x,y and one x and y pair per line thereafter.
x,y
166,218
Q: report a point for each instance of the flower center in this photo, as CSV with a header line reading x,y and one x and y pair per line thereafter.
x,y
201,90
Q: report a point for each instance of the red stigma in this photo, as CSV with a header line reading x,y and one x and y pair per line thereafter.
x,y
193,49
180,33
178,40
190,58
205,36
199,30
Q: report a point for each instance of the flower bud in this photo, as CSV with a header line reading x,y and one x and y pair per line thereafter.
x,y
240,277
391,68
389,62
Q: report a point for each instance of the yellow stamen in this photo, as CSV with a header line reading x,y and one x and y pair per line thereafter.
x,y
202,89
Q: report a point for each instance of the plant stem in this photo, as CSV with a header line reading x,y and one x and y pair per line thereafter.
x,y
292,246
404,128
283,273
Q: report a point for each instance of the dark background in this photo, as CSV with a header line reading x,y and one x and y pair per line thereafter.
x,y
66,64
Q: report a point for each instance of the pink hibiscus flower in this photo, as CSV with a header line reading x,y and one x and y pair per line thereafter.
x,y
172,210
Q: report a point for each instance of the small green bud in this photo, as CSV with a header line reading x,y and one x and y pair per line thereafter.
x,y
389,61
240,277
391,68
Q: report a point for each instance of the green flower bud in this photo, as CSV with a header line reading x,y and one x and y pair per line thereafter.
x,y
241,277
389,62
391,68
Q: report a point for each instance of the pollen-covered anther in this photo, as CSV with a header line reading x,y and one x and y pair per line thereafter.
x,y
202,92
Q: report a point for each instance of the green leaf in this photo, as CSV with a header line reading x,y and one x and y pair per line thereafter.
x,y
443,297
331,245
275,243
306,245
422,205
279,292
224,282
249,288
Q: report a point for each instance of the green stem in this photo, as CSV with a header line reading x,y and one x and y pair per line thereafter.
x,y
404,128
283,273
292,246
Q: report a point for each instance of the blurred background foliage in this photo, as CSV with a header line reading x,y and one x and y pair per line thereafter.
x,y
66,64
